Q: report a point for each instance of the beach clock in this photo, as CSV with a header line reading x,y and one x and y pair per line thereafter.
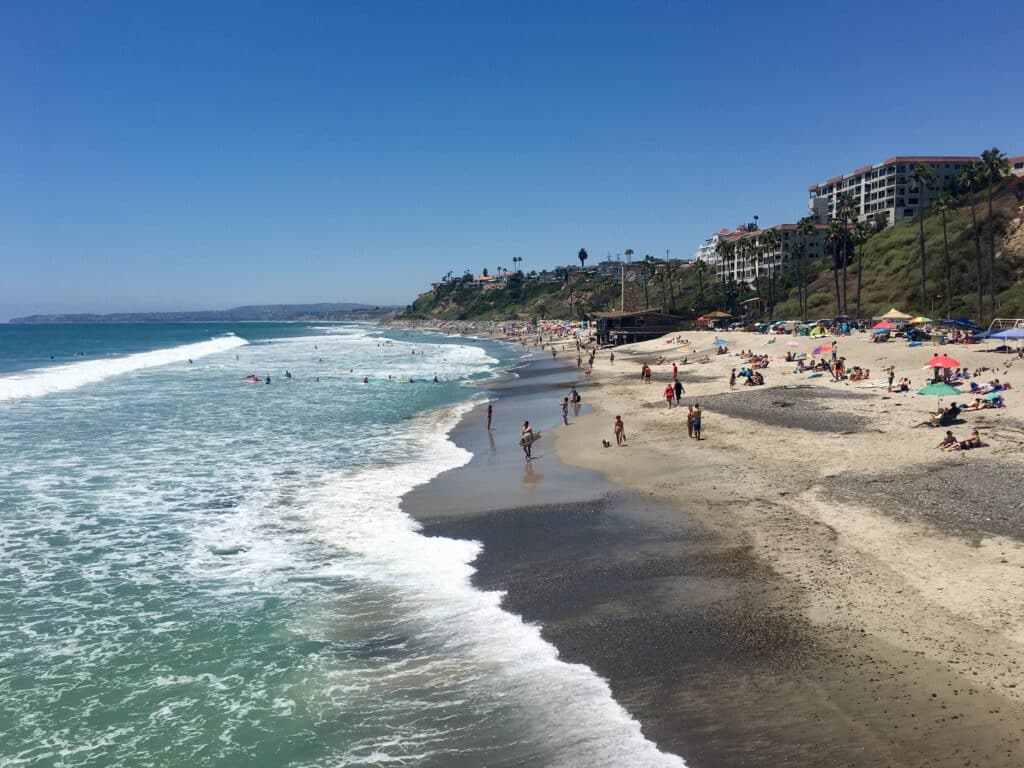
x,y
631,276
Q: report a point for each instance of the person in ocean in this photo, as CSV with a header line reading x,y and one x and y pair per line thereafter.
x,y
565,411
287,373
526,440
267,380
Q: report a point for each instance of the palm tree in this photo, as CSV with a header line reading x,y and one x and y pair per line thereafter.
x,y
770,241
804,228
923,178
846,212
995,166
700,266
629,254
582,256
835,236
969,181
946,206
861,233
726,250
647,270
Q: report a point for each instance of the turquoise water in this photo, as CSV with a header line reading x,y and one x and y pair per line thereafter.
x,y
198,571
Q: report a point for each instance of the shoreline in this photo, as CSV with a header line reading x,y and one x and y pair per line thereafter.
x,y
753,623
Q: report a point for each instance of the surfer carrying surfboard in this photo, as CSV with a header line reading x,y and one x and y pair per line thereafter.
x,y
526,440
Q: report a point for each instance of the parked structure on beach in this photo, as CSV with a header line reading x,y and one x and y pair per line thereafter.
x,y
884,192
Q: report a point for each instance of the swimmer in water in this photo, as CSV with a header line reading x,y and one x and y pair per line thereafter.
x,y
267,381
366,379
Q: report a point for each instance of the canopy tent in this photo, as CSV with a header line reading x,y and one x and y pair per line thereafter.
x,y
895,314
718,313
1014,334
960,322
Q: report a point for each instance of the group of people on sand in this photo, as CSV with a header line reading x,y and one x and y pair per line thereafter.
x,y
950,443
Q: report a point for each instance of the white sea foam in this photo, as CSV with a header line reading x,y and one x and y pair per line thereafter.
x,y
572,708
61,378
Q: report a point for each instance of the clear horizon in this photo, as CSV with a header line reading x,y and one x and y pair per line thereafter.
x,y
206,158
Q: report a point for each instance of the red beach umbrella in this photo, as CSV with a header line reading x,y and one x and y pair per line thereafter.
x,y
942,361
822,348
885,324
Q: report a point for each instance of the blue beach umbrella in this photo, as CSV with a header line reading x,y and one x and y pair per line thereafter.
x,y
720,342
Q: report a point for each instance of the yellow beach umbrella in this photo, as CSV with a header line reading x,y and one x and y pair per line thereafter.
x,y
920,319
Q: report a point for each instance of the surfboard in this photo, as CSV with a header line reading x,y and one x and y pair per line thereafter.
x,y
529,439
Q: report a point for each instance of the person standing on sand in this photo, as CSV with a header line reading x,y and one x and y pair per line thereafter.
x,y
732,379
620,432
696,420
565,411
689,422
675,371
526,440
678,388
579,361
490,415
611,357
892,376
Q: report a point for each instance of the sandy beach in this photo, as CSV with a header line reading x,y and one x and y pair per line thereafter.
x,y
813,583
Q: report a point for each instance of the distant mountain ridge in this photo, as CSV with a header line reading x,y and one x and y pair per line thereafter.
x,y
298,312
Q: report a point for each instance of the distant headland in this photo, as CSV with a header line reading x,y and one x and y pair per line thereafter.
x,y
264,312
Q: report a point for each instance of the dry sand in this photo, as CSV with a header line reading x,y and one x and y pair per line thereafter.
x,y
903,564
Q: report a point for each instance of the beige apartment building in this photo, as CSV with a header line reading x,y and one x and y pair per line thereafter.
x,y
883,192
743,268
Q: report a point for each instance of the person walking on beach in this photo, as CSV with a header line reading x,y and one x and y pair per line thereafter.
x,y
565,411
670,394
490,415
675,371
579,361
526,440
678,389
620,432
732,379
689,422
892,376
611,358
696,420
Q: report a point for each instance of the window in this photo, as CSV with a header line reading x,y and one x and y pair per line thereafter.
x,y
908,211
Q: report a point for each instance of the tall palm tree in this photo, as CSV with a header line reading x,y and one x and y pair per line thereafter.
x,y
923,178
726,252
770,241
847,210
629,254
945,206
804,228
996,166
835,236
647,270
582,256
700,266
861,232
969,181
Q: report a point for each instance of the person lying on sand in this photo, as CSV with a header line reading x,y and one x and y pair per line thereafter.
x,y
942,419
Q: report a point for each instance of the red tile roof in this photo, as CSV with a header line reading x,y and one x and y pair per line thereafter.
x,y
901,159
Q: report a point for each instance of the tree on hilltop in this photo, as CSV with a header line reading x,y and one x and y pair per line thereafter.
x,y
995,165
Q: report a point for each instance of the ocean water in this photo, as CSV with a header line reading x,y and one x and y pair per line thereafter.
x,y
198,571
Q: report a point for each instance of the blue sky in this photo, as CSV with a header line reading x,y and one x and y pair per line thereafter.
x,y
203,155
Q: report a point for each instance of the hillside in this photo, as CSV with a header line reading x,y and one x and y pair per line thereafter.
x,y
891,277
892,265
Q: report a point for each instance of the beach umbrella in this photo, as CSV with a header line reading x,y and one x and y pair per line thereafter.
x,y
720,342
822,348
884,325
880,331
939,389
920,319
942,361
